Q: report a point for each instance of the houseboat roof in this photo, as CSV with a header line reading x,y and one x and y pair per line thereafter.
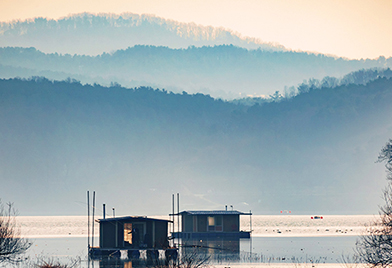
x,y
214,212
131,218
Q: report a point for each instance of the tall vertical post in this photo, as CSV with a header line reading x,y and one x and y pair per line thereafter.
x,y
178,224
104,211
250,220
92,224
178,217
88,222
250,226
173,215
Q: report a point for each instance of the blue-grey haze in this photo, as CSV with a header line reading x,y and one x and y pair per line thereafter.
x,y
313,153
143,50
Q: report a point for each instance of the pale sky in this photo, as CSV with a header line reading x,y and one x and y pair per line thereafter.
x,y
351,28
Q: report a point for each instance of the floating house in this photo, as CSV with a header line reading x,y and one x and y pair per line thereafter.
x,y
211,224
210,230
132,234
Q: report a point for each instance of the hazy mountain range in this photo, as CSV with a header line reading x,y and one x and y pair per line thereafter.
x,y
313,153
143,50
88,34
222,71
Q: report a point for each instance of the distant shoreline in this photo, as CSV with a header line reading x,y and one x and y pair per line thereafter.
x,y
262,226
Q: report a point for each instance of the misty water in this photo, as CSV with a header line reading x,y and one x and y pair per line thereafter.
x,y
263,249
276,239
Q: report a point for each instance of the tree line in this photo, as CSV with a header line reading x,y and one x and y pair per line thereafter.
x,y
220,71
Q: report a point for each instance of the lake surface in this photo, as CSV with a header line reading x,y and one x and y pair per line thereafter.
x,y
255,250
275,239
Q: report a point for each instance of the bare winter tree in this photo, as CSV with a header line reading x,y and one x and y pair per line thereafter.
x,y
193,259
12,246
375,247
386,156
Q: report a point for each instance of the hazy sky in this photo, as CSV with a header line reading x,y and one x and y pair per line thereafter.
x,y
352,28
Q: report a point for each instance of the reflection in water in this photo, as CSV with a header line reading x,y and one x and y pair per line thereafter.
x,y
217,250
206,251
119,263
127,261
266,250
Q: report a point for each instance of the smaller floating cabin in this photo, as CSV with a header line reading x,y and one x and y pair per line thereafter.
x,y
132,234
214,224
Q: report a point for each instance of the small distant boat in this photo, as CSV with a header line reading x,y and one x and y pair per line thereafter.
x,y
316,217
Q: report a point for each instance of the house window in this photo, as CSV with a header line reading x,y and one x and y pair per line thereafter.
x,y
134,234
218,223
127,233
211,221
215,223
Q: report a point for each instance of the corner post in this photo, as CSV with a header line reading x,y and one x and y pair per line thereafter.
x,y
88,223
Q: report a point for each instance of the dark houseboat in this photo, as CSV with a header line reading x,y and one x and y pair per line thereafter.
x,y
202,224
132,234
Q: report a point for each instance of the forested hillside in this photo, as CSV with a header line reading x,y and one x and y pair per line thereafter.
x,y
221,71
90,34
312,153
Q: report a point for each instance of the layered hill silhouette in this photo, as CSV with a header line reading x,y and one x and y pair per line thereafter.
x,y
133,107
89,34
311,153
224,71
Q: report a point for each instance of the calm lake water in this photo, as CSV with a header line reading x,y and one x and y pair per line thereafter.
x,y
257,249
276,239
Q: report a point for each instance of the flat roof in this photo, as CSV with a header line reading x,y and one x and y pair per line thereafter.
x,y
214,212
131,218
